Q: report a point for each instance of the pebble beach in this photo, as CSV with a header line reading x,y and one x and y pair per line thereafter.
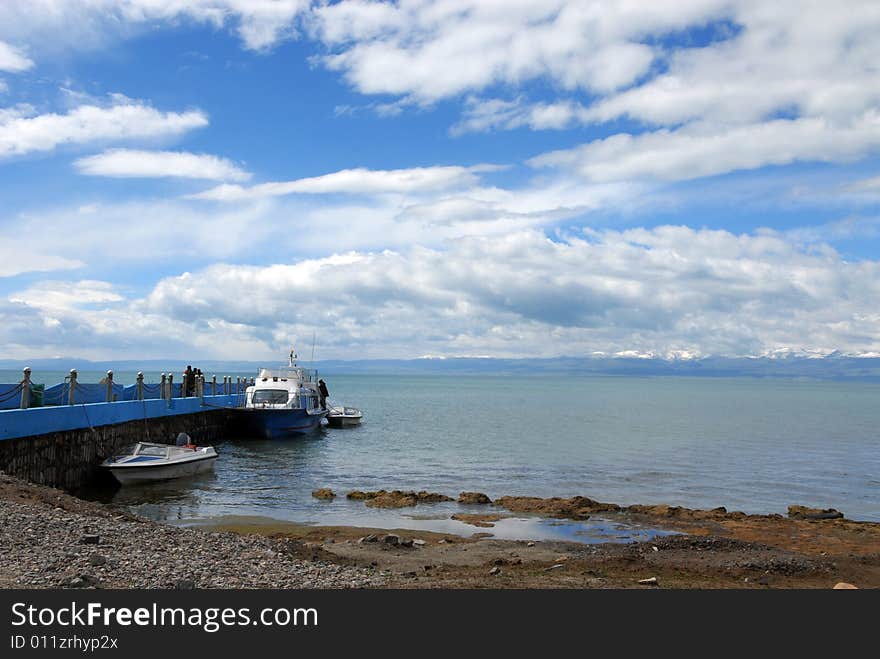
x,y
50,539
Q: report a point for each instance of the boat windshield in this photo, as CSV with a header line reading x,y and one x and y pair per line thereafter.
x,y
153,450
271,396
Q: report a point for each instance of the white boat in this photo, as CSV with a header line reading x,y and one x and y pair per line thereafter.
x,y
282,403
156,462
343,417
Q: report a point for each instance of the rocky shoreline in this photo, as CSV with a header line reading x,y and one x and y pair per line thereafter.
x,y
53,540
50,539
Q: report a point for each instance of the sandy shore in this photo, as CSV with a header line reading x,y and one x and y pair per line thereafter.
x,y
51,539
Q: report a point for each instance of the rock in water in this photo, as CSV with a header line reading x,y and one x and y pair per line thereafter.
x,y
473,498
324,493
395,499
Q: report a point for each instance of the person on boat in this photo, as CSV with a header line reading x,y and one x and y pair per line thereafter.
x,y
322,389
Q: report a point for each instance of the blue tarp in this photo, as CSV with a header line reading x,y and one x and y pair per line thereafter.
x,y
57,394
10,397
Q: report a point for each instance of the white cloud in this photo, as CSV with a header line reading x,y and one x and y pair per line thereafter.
x,y
427,208
132,163
67,296
481,115
866,185
848,228
89,23
356,181
806,58
698,150
131,234
665,291
662,290
13,60
21,254
125,119
433,50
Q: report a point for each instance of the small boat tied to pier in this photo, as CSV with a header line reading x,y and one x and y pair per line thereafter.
x,y
343,417
148,461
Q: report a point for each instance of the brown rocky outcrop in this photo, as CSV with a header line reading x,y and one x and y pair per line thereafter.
x,y
473,498
324,493
478,519
663,510
432,497
802,512
397,498
572,508
360,495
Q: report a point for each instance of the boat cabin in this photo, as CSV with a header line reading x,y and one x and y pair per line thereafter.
x,y
290,388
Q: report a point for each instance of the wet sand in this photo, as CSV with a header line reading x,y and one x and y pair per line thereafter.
x,y
711,549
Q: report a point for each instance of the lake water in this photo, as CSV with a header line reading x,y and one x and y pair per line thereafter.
x,y
747,444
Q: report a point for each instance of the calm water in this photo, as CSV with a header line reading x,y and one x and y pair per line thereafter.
x,y
751,445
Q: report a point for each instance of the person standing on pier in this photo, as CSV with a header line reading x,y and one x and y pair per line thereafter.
x,y
189,381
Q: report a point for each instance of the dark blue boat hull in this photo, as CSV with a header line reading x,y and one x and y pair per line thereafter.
x,y
277,424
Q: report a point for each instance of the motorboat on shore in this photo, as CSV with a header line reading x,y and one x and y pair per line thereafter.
x,y
282,403
148,461
343,417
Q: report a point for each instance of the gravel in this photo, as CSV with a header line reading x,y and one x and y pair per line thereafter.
x,y
46,547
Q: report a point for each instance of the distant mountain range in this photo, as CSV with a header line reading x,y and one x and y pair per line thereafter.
x,y
835,366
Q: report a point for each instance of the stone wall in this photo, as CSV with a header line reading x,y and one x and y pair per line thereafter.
x,y
69,458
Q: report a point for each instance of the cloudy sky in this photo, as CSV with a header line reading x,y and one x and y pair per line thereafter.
x,y
222,178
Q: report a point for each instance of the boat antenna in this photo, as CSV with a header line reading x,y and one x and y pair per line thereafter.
x,y
313,348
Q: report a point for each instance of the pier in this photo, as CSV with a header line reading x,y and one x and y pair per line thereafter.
x,y
76,426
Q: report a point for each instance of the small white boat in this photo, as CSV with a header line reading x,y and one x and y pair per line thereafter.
x,y
343,417
155,462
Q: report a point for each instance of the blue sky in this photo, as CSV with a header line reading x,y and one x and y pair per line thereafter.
x,y
220,178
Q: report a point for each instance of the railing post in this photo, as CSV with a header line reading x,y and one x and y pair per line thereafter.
x,y
200,388
140,385
71,391
162,387
26,388
109,386
214,385
170,386
238,384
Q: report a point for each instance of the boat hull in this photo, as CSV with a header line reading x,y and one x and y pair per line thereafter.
x,y
277,423
146,474
343,421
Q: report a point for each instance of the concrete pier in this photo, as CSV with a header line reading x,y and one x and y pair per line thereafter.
x,y
63,446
